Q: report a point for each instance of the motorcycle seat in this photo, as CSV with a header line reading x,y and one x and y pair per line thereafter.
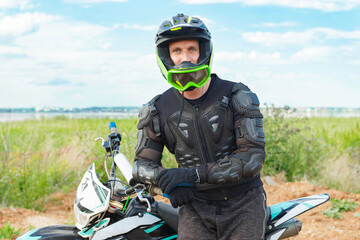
x,y
169,214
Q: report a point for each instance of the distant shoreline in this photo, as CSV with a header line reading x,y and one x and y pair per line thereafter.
x,y
20,114
70,110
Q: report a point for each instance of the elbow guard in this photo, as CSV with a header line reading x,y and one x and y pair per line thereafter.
x,y
249,127
233,168
146,171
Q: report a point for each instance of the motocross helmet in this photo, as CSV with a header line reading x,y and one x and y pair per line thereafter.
x,y
186,75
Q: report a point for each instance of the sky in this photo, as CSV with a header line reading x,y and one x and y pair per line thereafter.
x,y
85,53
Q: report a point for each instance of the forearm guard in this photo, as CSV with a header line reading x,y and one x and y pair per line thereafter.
x,y
146,171
147,163
233,168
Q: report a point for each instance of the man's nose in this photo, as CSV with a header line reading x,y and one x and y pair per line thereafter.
x,y
186,57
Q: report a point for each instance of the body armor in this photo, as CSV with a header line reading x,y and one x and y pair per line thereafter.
x,y
205,133
222,136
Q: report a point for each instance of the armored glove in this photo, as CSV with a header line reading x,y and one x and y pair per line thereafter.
x,y
180,196
168,179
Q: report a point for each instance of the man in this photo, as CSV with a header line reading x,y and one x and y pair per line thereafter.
x,y
214,128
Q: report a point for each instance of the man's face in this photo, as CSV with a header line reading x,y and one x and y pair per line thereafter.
x,y
184,50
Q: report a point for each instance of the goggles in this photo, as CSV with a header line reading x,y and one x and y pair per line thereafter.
x,y
183,78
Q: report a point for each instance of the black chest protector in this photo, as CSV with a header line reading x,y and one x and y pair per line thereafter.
x,y
206,131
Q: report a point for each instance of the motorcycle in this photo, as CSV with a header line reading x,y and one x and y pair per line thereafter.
x,y
118,210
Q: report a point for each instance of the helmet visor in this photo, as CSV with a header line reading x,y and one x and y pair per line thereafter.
x,y
183,78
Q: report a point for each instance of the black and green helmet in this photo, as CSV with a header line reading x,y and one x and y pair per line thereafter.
x,y
185,75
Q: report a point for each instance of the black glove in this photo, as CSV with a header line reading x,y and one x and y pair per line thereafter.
x,y
168,179
180,196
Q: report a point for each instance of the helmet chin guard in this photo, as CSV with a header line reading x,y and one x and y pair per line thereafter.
x,y
186,74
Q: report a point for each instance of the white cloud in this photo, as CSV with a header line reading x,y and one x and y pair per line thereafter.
x,y
207,21
309,89
5,49
139,27
298,87
337,34
323,5
92,1
353,62
22,23
22,4
279,24
273,38
106,45
87,57
207,1
252,57
312,53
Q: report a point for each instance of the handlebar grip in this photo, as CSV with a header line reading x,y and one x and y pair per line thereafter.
x,y
129,191
155,190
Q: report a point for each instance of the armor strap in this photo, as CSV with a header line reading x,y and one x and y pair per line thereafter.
x,y
202,173
225,102
238,133
149,143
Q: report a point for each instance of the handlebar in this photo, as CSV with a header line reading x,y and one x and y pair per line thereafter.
x,y
155,190
124,166
120,160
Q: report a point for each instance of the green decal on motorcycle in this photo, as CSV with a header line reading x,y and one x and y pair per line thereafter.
x,y
28,236
149,230
88,232
171,237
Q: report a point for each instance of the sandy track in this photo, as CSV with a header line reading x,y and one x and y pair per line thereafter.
x,y
315,225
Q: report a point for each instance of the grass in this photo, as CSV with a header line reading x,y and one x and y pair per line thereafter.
x,y
339,206
7,231
39,157
325,150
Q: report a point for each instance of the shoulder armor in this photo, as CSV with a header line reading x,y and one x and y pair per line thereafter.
x,y
245,101
239,86
147,111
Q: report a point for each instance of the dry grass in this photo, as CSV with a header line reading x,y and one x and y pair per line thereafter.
x,y
342,172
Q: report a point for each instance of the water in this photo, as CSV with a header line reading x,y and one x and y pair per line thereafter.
x,y
11,117
300,112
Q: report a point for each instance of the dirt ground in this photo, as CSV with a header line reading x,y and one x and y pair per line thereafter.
x,y
315,225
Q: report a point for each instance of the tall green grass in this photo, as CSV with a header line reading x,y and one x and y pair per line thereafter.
x,y
324,150
39,157
292,145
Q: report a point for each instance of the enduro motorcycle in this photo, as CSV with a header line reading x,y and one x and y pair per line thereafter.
x,y
124,211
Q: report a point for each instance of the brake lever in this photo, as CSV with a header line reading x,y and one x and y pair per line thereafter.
x,y
142,199
102,140
104,144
